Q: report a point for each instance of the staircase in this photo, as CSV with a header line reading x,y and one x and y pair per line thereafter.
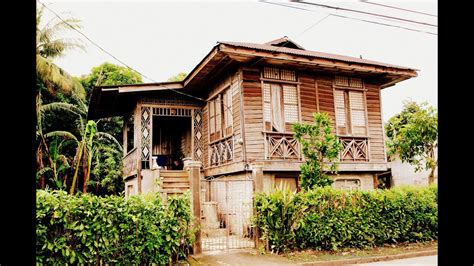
x,y
173,182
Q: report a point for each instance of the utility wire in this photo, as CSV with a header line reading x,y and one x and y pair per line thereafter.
x,y
120,61
364,12
398,8
346,17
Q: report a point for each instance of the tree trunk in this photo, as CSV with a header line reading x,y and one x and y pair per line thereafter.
x,y
39,162
431,176
85,170
74,178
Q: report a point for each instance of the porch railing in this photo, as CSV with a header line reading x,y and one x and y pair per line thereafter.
x,y
281,146
355,149
130,163
222,151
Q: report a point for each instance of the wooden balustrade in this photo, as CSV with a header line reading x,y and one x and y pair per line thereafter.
x,y
355,149
281,146
130,163
222,151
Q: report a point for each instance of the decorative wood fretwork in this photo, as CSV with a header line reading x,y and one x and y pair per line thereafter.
x,y
170,102
281,146
170,111
354,149
222,151
146,133
198,135
130,163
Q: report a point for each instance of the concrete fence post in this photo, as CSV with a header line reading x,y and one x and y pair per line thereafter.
x,y
257,176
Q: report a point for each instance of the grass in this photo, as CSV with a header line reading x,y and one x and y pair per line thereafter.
x,y
316,255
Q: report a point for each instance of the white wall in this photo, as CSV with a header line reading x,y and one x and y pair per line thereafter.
x,y
404,174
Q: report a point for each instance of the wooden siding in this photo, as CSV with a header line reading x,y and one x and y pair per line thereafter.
x,y
205,138
253,114
235,92
374,114
307,97
326,97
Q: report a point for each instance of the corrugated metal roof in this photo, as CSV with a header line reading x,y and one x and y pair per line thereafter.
x,y
287,50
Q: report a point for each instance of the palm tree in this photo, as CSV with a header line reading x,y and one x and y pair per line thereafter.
x,y
48,48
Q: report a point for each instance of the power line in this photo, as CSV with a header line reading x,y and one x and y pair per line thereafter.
x,y
346,17
398,8
364,12
120,61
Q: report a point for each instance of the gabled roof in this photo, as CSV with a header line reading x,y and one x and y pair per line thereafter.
x,y
285,42
271,47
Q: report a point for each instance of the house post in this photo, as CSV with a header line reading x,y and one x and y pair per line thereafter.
x,y
194,173
257,176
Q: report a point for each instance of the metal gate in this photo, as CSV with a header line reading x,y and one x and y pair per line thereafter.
x,y
226,214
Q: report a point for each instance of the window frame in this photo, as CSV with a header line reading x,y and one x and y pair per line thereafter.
x,y
348,110
281,83
221,129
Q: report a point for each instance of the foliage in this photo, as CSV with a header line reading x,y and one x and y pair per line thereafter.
x,y
320,148
86,229
413,135
179,77
108,74
49,47
331,219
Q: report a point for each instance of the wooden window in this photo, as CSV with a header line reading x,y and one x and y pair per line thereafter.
x,y
220,116
280,106
130,134
281,74
212,120
350,107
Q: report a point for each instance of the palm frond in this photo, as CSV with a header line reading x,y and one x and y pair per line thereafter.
x,y
103,135
60,106
62,134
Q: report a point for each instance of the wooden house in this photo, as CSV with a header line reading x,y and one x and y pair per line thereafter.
x,y
231,118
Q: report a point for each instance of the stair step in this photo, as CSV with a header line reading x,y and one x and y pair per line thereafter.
x,y
173,174
175,179
171,191
176,185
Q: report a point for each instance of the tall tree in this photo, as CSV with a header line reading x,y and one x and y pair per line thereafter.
x,y
320,148
49,46
413,135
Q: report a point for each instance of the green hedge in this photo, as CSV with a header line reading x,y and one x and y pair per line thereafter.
x,y
330,219
87,229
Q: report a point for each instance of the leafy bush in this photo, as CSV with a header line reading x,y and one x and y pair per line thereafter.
x,y
86,229
330,219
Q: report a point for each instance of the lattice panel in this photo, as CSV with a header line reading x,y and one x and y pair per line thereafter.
x,y
146,133
271,73
290,99
341,81
289,75
354,149
282,147
355,82
198,135
348,82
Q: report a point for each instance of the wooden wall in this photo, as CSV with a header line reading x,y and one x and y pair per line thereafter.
x,y
253,114
376,133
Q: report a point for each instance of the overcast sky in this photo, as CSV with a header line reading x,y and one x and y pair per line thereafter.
x,y
161,39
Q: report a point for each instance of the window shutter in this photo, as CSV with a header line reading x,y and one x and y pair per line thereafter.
x,y
277,110
267,113
357,103
340,107
290,99
218,110
212,120
228,112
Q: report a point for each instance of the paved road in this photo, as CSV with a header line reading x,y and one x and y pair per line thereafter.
x,y
418,261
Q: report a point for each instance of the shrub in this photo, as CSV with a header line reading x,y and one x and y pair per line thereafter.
x,y
86,229
330,219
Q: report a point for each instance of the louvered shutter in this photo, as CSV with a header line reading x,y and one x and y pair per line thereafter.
x,y
218,110
212,120
228,112
267,113
358,119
